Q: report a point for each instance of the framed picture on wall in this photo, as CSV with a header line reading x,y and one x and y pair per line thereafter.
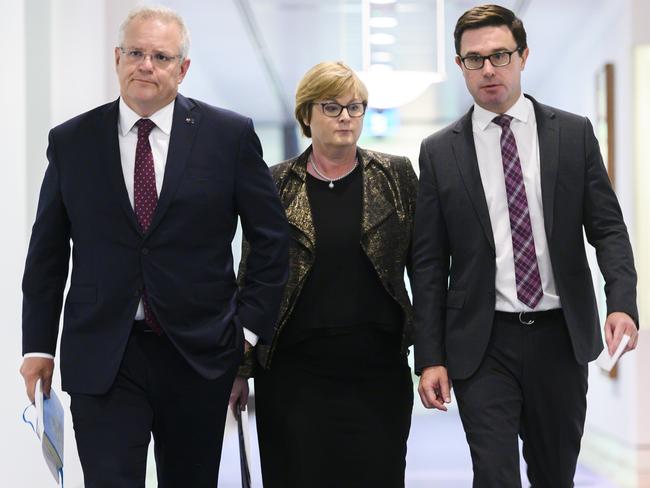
x,y
605,133
605,128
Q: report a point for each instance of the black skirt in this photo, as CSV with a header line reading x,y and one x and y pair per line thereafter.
x,y
335,411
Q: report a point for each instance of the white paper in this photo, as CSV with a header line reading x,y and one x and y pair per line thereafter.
x,y
607,362
49,428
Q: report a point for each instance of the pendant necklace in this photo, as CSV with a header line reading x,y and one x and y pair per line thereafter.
x,y
326,178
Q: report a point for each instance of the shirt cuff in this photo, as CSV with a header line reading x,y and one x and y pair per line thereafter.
x,y
250,337
38,355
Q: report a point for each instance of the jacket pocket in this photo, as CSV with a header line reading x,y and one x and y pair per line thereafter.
x,y
455,298
82,294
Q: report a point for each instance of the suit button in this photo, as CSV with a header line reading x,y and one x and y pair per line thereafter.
x,y
145,250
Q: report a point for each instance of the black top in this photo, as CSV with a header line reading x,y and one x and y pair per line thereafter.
x,y
342,293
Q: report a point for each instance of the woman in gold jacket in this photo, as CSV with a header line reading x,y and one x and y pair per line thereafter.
x,y
334,393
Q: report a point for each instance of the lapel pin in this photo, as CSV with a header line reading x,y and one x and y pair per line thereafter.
x,y
189,120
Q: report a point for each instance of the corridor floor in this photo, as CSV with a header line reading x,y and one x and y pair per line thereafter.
x,y
438,456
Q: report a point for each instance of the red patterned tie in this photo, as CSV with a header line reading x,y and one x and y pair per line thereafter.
x,y
529,284
145,198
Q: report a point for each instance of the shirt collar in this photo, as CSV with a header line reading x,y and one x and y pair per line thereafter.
x,y
162,118
520,111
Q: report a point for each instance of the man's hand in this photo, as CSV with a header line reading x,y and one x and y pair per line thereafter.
x,y
434,388
34,368
617,325
239,393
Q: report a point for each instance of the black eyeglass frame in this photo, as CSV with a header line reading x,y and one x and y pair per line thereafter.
x,y
341,107
488,57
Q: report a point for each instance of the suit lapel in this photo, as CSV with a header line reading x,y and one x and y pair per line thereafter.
x,y
107,132
548,133
376,205
300,218
185,124
299,211
467,162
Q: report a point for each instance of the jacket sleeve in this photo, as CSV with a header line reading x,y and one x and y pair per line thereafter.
x,y
607,233
265,229
46,267
430,269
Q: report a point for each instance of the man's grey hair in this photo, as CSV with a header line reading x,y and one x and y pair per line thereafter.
x,y
157,12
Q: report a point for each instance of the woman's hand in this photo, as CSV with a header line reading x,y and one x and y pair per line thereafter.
x,y
239,394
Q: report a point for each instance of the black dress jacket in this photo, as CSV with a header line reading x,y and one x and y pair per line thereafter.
x,y
388,208
454,250
214,173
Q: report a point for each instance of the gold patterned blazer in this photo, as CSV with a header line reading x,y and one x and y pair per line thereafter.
x,y
389,195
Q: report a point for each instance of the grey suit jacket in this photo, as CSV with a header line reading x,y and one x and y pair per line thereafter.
x,y
454,251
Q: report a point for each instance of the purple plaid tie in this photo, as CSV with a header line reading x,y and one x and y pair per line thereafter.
x,y
145,198
529,284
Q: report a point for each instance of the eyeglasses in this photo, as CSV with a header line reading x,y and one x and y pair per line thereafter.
x,y
333,109
497,60
158,59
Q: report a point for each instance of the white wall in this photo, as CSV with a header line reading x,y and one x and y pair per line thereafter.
x,y
604,36
642,157
61,65
16,436
616,439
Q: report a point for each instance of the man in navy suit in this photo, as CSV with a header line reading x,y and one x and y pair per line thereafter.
x,y
148,190
504,300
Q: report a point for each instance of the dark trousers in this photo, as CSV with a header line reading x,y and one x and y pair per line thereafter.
x,y
157,392
529,385
335,412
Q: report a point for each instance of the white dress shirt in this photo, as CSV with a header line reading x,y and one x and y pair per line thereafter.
x,y
127,133
487,140
159,141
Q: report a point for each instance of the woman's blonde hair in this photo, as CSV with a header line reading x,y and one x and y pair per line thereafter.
x,y
325,81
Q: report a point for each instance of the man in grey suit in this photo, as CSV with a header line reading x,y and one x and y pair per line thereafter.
x,y
504,300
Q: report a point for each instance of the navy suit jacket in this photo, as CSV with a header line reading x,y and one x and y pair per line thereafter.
x,y
214,173
454,250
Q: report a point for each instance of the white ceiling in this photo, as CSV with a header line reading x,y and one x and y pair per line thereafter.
x,y
229,69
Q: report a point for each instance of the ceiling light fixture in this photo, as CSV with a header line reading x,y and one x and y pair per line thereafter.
x,y
381,67
391,88
383,22
381,57
382,39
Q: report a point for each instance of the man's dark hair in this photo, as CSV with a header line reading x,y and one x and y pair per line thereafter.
x,y
490,15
